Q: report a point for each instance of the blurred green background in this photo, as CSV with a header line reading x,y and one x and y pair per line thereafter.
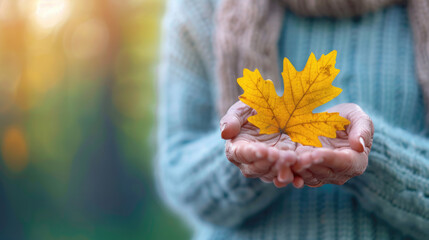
x,y
77,121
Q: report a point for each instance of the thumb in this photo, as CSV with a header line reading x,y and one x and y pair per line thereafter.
x,y
231,123
361,129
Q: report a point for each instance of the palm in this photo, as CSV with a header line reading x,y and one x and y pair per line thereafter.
x,y
341,142
250,134
338,160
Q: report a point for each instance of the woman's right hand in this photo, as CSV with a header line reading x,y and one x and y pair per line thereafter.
x,y
253,153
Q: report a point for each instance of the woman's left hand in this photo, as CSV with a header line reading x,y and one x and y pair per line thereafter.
x,y
340,158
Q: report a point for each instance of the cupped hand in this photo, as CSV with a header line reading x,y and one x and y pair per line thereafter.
x,y
340,158
273,159
257,156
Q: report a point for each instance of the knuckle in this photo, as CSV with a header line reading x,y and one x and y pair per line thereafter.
x,y
366,121
271,174
369,123
359,172
365,117
354,109
247,174
244,172
242,109
353,106
370,143
340,181
367,133
259,171
230,154
222,120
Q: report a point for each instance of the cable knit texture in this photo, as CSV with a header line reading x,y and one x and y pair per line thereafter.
x,y
375,55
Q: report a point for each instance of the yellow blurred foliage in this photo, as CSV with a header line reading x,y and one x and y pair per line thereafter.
x,y
42,72
14,149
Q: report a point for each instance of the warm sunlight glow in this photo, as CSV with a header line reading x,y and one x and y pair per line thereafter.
x,y
49,13
89,39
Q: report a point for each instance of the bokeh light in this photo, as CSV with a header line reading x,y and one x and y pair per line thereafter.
x,y
88,40
14,149
49,13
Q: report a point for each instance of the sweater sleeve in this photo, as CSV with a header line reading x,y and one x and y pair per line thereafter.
x,y
194,175
395,185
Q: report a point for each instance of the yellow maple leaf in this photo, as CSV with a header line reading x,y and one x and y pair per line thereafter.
x,y
292,113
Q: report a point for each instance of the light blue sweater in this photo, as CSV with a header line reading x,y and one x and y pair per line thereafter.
x,y
375,55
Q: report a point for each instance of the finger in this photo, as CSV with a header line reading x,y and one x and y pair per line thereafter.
x,y
285,174
261,166
338,161
279,184
298,182
288,157
248,153
345,164
231,123
304,162
321,172
273,154
360,130
248,172
231,152
305,175
273,157
271,174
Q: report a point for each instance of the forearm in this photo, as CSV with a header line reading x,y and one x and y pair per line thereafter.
x,y
395,185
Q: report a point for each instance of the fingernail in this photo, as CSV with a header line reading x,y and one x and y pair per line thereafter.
x,y
362,143
258,154
222,127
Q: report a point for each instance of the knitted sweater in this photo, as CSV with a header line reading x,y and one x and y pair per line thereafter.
x,y
375,56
